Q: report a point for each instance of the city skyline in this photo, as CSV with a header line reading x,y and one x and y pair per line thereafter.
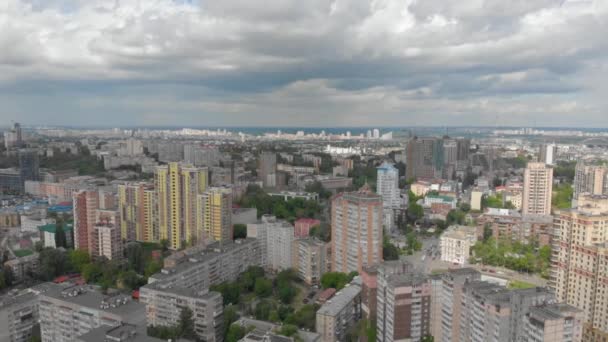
x,y
315,64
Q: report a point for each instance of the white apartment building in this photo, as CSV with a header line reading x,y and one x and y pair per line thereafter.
x,y
456,242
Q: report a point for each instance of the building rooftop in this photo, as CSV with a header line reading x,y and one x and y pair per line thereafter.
x,y
339,301
123,333
553,311
197,255
460,232
52,228
91,297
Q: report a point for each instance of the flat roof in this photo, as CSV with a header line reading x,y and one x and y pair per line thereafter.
x,y
91,297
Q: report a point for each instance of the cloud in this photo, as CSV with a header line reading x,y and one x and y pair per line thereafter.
x,y
316,62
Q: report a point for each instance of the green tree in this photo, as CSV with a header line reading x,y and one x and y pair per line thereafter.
x,y
389,251
186,324
53,263
235,333
262,310
263,287
230,316
231,292
336,280
92,273
78,259
240,231
288,330
152,268
60,239
135,257
130,280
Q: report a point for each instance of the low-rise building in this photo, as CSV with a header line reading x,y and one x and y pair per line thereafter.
x,y
302,226
24,266
69,311
456,242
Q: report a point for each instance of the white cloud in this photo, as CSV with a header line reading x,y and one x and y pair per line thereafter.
x,y
338,61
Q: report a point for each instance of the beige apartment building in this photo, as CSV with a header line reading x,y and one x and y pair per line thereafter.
x,y
356,224
579,275
538,187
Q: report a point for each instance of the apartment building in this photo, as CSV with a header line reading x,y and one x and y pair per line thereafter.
x,y
276,241
403,307
311,259
580,253
356,223
165,304
340,313
108,241
177,187
136,206
455,244
590,180
214,214
451,296
18,316
554,322
68,311
538,188
202,267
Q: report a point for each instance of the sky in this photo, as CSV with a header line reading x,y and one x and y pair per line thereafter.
x,y
316,63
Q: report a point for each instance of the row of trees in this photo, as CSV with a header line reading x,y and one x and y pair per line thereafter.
x,y
513,255
127,275
290,210
254,281
336,280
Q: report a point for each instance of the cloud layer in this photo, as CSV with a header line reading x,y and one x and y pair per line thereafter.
x,y
313,63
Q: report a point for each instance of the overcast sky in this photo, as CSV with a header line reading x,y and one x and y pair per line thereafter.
x,y
304,62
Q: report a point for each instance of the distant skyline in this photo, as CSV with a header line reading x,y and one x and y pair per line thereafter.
x,y
316,63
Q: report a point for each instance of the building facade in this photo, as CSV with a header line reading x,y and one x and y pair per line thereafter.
x,y
340,313
311,259
177,186
215,214
538,188
357,230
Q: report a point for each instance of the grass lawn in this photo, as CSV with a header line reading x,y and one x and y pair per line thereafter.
x,y
23,252
297,300
516,284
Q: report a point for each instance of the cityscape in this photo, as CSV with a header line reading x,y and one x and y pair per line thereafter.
x,y
303,171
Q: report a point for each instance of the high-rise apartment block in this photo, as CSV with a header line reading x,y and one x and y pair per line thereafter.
x,y
404,307
590,179
538,185
340,313
137,208
177,186
356,223
580,253
86,202
452,299
424,158
276,241
475,310
547,153
268,169
107,241
29,165
554,322
214,214
387,185
311,259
